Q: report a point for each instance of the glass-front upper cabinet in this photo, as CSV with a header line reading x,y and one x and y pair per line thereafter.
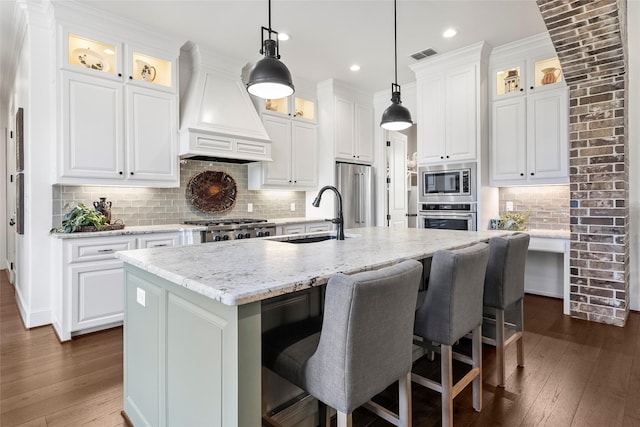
x,y
151,69
509,80
546,71
89,54
293,106
527,76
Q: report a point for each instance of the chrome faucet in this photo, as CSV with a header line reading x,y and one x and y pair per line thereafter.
x,y
339,221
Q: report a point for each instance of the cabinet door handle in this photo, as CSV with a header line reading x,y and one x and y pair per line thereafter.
x,y
105,250
160,245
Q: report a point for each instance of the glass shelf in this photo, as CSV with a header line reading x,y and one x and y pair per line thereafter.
x,y
151,69
92,54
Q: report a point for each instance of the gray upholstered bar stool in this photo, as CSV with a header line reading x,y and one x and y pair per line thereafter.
x,y
451,309
364,346
504,292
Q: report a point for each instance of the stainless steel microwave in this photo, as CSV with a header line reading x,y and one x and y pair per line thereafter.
x,y
447,183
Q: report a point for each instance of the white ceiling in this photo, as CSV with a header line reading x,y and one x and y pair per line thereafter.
x,y
328,36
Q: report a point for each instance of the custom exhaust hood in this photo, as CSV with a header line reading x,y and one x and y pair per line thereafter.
x,y
217,118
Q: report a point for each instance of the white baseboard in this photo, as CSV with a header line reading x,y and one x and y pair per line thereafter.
x,y
32,319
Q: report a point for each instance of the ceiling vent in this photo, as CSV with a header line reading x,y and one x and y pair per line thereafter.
x,y
423,54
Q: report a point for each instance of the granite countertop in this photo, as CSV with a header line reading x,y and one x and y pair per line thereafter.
x,y
141,229
297,220
242,271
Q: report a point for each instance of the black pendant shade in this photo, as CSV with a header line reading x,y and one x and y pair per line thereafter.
x,y
396,116
270,78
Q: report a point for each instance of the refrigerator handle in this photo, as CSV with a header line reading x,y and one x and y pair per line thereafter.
x,y
361,201
356,184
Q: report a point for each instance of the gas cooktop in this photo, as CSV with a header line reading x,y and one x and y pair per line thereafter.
x,y
225,221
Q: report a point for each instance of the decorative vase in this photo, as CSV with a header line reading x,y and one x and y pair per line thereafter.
x,y
104,208
550,75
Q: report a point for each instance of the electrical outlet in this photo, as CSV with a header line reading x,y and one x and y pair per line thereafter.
x,y
293,207
140,297
249,207
509,206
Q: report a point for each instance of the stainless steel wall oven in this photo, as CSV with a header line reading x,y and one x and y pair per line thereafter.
x,y
447,216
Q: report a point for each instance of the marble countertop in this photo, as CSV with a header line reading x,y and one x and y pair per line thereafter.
x,y
242,271
550,234
141,229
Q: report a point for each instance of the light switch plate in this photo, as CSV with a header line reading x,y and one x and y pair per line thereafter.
x,y
249,207
140,297
509,206
293,207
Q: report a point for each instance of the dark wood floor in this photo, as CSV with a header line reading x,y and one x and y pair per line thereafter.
x,y
577,374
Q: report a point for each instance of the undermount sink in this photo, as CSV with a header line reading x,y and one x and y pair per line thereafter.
x,y
308,238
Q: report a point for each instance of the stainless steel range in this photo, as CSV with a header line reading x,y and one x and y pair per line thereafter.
x,y
222,229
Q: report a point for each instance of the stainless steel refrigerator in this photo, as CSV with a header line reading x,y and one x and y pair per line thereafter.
x,y
355,183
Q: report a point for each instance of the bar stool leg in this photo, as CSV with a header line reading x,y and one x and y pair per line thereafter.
x,y
476,354
446,370
404,400
500,346
344,420
520,329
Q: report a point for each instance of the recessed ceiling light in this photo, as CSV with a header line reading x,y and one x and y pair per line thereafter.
x,y
449,33
355,67
283,37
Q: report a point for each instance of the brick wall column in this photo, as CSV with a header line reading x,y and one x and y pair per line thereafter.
x,y
589,38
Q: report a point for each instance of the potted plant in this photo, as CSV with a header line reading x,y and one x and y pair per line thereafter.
x,y
81,218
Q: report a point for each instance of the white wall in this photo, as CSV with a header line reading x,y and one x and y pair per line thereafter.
x,y
633,134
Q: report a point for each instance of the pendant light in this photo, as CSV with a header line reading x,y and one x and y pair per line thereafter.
x,y
396,117
270,78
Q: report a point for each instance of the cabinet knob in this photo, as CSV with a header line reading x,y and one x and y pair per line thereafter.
x,y
521,174
295,182
289,181
532,87
442,157
447,157
130,77
120,172
119,74
521,89
532,173
131,173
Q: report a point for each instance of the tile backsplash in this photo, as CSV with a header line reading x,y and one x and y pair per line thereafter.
x,y
153,206
548,205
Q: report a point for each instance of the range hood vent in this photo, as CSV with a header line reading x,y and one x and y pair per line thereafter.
x,y
218,121
423,54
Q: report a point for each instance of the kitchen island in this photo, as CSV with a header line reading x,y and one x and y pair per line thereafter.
x,y
192,330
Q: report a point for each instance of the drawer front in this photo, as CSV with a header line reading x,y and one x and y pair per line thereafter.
x,y
96,250
311,228
159,240
294,229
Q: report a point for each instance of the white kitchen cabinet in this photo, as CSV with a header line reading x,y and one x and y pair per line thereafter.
x,y
294,106
449,106
118,114
353,131
530,115
90,295
294,146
